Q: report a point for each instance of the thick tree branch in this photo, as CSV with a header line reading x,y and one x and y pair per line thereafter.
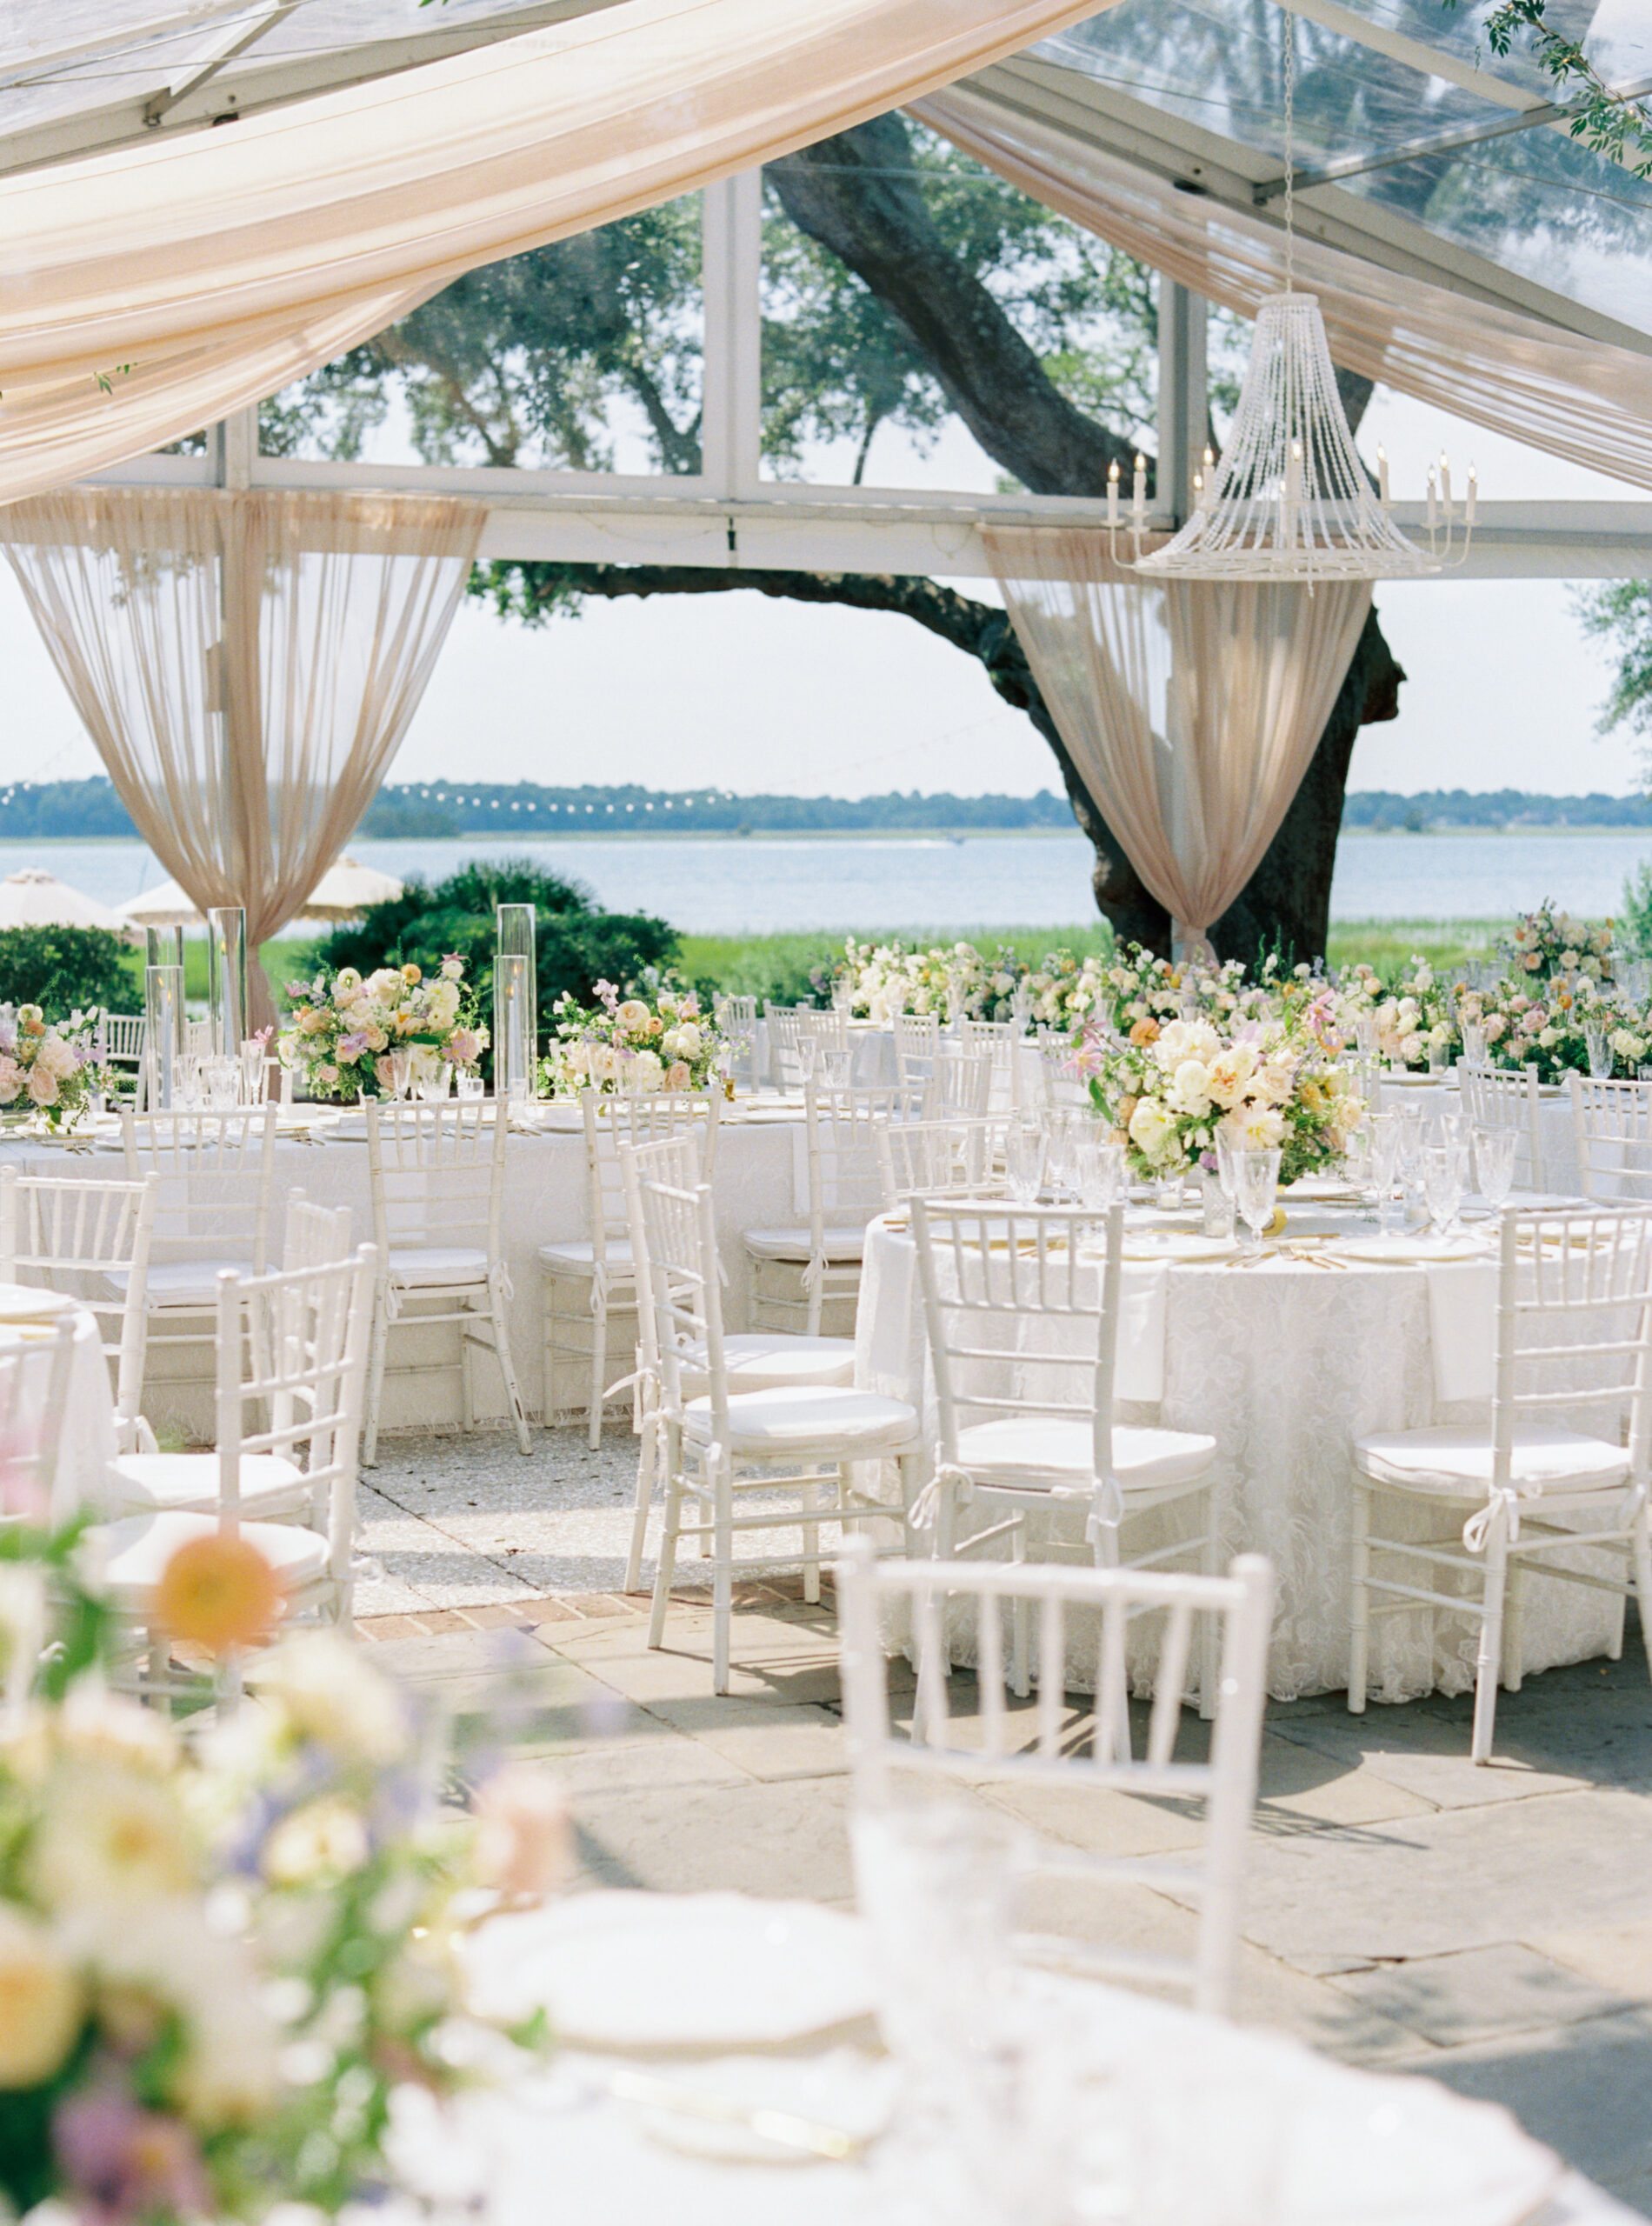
x,y
856,194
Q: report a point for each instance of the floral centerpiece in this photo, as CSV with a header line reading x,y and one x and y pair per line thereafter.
x,y
631,1043
1168,1090
341,1034
220,1964
878,981
46,1067
1548,944
1416,1022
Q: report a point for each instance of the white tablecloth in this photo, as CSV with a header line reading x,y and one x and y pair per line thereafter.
x,y
1286,1365
86,1446
1330,2127
545,1202
1559,1170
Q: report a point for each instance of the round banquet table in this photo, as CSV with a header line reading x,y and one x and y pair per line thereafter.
x,y
761,1182
1344,2145
1286,1364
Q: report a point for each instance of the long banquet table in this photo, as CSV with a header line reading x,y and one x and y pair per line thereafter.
x,y
1286,1363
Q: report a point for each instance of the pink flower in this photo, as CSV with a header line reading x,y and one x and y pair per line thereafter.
x,y
125,2163
677,1076
463,1046
43,1086
10,1080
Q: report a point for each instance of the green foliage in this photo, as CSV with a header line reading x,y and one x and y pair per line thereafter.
x,y
577,944
1608,123
783,968
1621,611
58,969
1634,916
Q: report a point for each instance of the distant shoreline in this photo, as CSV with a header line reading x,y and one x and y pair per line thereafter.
x,y
516,835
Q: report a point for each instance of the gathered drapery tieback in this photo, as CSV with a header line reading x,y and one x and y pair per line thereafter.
x,y
926,1508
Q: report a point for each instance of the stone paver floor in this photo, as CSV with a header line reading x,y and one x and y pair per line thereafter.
x,y
1492,1927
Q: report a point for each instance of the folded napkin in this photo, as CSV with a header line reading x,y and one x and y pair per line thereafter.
x,y
1139,1369
1462,1321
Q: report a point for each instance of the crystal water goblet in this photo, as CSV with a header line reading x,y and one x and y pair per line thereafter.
x,y
401,1073
1257,1191
1024,1160
1365,1041
804,1057
1598,1043
1386,1136
466,1085
1443,1186
1494,1161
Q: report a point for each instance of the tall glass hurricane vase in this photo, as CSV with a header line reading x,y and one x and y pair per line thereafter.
x,y
163,1017
515,1012
227,980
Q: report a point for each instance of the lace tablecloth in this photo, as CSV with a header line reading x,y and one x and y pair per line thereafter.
x,y
1286,1365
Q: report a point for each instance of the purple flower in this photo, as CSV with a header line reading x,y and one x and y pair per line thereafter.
x,y
125,2163
351,1047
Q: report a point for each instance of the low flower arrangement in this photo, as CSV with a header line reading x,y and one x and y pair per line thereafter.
x,y
1549,944
46,1067
1167,1091
340,1034
1417,1022
661,1042
953,980
220,1964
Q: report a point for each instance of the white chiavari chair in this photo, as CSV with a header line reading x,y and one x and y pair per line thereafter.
x,y
588,1281
737,1018
1226,1616
784,1024
92,1242
1021,1319
931,1157
436,1175
313,1236
1612,1136
789,1450
960,1080
216,1171
35,1377
756,1360
1574,1330
796,1271
1500,1097
292,1353
917,1039
119,1042
1061,1086
1001,1040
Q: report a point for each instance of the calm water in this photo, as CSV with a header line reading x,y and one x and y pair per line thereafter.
x,y
759,885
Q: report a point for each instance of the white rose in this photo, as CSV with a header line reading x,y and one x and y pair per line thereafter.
x,y
690,1039
1152,1130
1190,1090
107,1838
647,1072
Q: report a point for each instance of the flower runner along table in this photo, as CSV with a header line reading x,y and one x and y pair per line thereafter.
x,y
1286,1363
324,1154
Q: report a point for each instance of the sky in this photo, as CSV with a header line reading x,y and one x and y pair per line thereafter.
x,y
755,696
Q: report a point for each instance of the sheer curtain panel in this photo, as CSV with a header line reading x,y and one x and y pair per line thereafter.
x,y
148,292
1518,375
1191,708
245,663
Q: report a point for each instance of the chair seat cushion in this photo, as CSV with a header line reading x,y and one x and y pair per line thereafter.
x,y
142,1480
178,1282
827,1420
135,1551
1050,1446
769,1359
581,1259
431,1264
797,1244
1456,1461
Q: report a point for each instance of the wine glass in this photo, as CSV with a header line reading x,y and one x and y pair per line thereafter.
x,y
1256,1175
1474,1043
1493,1160
807,1051
1104,1179
1024,1160
1598,1043
1060,1146
1365,1035
1443,1186
1386,1135
834,1069
401,1073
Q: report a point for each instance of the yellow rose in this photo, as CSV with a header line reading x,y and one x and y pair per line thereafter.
x,y
40,2004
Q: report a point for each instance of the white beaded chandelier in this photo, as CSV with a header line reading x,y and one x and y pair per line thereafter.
x,y
1290,499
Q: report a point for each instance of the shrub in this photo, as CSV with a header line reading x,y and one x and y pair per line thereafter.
x,y
60,968
577,945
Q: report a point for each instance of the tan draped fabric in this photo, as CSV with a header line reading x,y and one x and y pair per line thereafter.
x,y
246,665
1556,390
196,274
1191,707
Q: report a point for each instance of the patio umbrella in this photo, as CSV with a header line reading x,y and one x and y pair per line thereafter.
x,y
346,890
35,898
163,907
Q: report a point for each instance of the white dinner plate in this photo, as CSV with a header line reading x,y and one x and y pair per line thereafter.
x,y
1406,1251
635,1970
22,1303
1325,1190
1404,1079
1176,1244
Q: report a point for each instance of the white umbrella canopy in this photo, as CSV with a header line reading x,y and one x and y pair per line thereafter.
x,y
343,891
346,890
35,898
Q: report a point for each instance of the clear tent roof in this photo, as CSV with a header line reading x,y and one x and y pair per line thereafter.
x,y
1415,146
